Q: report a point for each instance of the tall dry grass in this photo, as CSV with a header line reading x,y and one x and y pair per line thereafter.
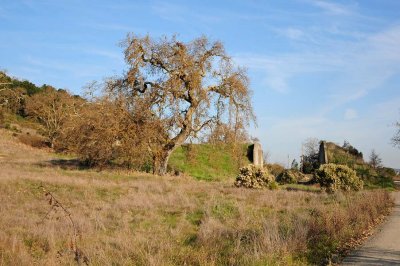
x,y
136,219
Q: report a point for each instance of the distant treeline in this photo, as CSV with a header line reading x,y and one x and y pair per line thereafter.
x,y
15,94
15,83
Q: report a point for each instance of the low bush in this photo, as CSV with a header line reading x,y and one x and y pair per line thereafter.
x,y
289,176
275,169
33,140
333,177
252,176
2,116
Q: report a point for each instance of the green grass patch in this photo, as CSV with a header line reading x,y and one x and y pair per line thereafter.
x,y
21,121
380,181
208,162
224,209
300,187
37,246
195,217
109,194
171,218
65,193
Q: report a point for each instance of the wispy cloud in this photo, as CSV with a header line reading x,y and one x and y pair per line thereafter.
x,y
118,56
169,11
354,69
385,44
291,33
72,69
332,8
279,70
111,27
360,66
181,13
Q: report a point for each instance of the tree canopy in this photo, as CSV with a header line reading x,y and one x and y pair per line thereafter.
x,y
183,89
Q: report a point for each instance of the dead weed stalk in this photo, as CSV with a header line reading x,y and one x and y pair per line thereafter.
x,y
75,234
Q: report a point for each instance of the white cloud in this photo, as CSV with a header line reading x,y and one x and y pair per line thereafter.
x,y
350,114
279,70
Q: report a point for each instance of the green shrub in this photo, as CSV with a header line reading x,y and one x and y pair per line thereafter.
x,y
252,176
289,176
273,185
333,177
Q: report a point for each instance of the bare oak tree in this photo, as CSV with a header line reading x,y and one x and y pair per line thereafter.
x,y
311,146
184,89
309,158
396,137
374,160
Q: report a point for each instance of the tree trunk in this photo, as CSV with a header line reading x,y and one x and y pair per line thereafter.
x,y
160,159
160,162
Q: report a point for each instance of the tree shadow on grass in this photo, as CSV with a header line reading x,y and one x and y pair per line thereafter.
x,y
65,164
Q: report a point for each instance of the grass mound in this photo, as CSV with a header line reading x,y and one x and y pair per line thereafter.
x,y
209,162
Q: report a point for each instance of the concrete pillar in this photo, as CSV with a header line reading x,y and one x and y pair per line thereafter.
x,y
258,155
323,154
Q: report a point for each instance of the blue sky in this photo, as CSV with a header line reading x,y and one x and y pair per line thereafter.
x,y
324,69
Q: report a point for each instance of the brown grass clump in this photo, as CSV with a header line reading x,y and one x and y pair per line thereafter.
x,y
335,227
129,218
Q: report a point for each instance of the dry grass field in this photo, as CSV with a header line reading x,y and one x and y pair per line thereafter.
x,y
129,218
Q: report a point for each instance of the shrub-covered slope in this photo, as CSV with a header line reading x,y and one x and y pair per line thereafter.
x,y
350,156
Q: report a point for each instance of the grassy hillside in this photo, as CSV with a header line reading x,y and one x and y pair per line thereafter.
x,y
340,155
202,161
209,162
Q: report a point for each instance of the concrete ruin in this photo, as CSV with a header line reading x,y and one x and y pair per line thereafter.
x,y
323,154
258,155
